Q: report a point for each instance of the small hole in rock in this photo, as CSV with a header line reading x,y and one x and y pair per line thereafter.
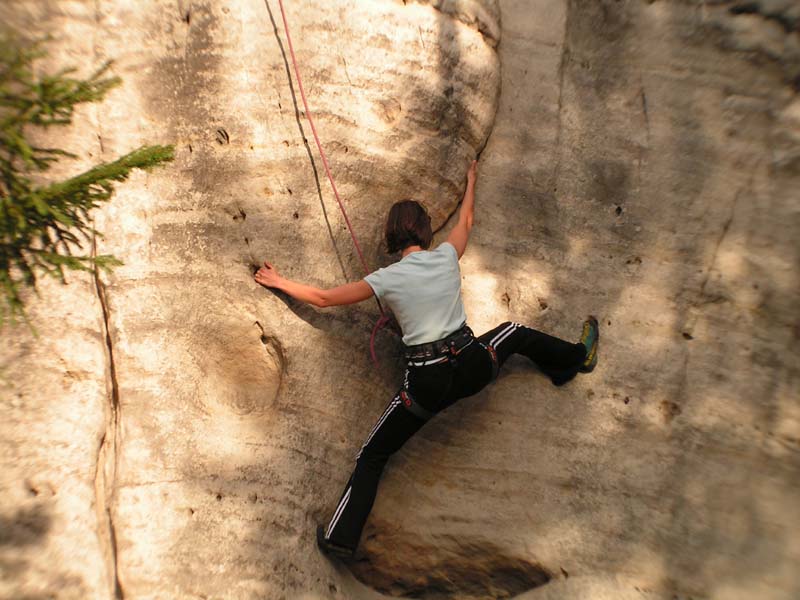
x,y
219,497
223,137
288,189
296,215
618,210
687,335
627,400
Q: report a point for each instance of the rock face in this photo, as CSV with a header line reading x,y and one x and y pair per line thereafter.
x,y
176,431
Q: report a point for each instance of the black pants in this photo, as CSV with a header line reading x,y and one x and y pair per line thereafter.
x,y
436,385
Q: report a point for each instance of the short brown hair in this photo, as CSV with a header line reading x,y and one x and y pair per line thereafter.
x,y
408,224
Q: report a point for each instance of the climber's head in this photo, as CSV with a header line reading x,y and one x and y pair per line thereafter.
x,y
408,224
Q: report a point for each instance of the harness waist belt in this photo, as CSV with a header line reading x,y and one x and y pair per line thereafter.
x,y
450,345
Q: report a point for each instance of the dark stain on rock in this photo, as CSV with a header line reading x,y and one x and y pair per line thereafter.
x,y
687,335
183,91
783,17
187,76
609,182
669,410
25,527
477,572
598,33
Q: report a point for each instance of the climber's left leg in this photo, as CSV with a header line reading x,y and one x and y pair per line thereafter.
x,y
392,430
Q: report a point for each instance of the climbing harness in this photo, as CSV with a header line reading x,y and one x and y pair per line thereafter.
x,y
447,348
432,353
384,319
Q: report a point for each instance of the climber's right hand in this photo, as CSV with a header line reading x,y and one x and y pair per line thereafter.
x,y
472,174
268,276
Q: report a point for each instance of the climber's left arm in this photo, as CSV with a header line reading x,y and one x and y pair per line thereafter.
x,y
349,293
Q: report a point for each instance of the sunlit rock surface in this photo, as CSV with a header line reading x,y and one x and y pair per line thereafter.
x,y
176,431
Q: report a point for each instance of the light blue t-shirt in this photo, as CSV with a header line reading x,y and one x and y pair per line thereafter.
x,y
424,292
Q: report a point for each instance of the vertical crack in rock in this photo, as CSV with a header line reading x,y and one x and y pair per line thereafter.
x,y
108,450
305,139
723,234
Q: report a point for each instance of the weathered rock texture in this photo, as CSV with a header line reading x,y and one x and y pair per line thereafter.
x,y
176,432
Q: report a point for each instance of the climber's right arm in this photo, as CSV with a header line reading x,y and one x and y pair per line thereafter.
x,y
460,234
348,293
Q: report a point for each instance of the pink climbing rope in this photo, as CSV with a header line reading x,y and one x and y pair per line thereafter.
x,y
316,139
383,320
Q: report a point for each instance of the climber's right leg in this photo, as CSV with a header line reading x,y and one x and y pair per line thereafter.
x,y
395,426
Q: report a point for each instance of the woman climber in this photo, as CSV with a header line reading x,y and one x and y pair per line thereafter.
x,y
445,362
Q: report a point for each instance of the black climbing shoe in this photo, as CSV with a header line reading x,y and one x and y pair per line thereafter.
x,y
331,549
590,338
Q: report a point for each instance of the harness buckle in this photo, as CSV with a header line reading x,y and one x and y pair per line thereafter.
x,y
495,361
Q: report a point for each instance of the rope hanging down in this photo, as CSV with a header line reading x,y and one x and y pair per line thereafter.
x,y
384,319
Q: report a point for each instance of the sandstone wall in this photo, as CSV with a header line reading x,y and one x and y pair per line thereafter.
x,y
177,431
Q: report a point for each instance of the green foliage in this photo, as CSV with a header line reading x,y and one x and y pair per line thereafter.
x,y
43,227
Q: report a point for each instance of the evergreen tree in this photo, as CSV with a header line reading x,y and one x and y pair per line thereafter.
x,y
44,226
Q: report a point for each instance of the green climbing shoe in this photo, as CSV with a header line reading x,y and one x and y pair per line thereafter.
x,y
590,338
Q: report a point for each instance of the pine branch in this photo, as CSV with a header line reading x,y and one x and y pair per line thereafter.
x,y
42,228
